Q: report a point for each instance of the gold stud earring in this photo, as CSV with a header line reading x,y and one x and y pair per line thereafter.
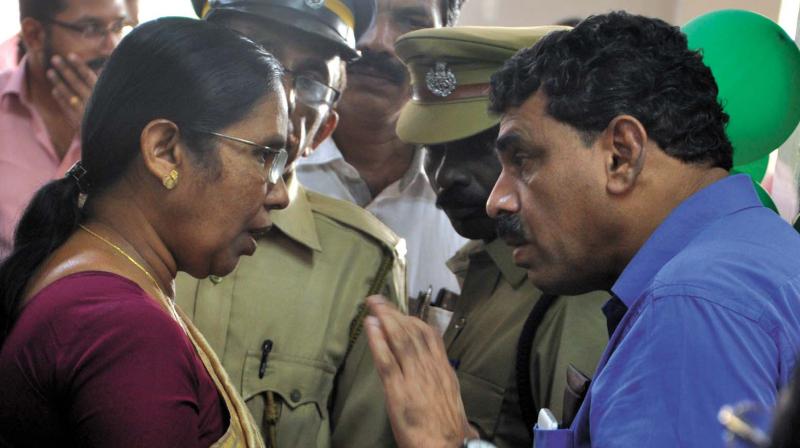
x,y
170,181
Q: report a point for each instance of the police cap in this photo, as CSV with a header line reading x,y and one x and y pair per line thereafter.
x,y
450,70
336,21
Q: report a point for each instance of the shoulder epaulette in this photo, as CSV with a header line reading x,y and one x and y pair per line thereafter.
x,y
353,216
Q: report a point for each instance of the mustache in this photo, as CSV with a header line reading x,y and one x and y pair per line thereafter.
x,y
509,228
380,64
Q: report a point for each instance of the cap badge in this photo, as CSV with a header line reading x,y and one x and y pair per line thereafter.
x,y
440,80
315,4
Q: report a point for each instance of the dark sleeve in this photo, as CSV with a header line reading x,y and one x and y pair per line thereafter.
x,y
129,377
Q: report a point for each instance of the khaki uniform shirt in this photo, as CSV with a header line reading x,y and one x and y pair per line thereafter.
x,y
482,337
302,290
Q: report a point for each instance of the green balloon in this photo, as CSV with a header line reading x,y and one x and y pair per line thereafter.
x,y
756,169
757,69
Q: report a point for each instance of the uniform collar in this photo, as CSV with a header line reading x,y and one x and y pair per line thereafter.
x,y
689,219
459,262
297,219
501,254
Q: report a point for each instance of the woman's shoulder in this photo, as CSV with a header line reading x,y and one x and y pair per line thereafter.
x,y
92,304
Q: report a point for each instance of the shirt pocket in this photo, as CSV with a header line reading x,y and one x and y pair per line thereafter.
x,y
300,390
553,438
483,401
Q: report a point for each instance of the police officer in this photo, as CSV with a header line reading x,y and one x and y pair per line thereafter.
x,y
511,345
287,322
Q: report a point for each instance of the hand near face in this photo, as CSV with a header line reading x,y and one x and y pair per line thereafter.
x,y
73,82
422,393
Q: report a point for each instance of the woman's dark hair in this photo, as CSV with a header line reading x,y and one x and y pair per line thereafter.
x,y
197,74
616,64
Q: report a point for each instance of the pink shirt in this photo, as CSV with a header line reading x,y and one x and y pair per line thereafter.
x,y
8,52
28,159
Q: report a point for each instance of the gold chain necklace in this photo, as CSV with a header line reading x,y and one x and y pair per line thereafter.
x,y
169,303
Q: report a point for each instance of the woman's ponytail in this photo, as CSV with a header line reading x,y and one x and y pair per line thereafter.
x,y
51,217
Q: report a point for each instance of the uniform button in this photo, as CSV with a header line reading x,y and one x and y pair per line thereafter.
x,y
460,324
214,279
295,395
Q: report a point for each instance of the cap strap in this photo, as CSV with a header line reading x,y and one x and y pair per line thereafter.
x,y
421,93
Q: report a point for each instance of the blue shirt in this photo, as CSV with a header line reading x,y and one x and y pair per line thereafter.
x,y
713,318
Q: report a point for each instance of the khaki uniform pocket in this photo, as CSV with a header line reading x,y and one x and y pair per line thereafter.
x,y
483,402
293,391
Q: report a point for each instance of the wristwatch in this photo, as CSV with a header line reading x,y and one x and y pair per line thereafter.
x,y
477,443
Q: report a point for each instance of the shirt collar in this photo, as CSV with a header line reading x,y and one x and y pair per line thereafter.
x,y
690,218
328,153
416,171
297,219
325,153
500,253
16,84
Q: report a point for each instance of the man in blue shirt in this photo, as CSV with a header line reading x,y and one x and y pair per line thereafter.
x,y
614,156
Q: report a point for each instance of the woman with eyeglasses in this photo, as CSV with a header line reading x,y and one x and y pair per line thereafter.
x,y
181,163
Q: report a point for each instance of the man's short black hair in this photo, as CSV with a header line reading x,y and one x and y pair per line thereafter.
x,y
40,9
615,64
452,8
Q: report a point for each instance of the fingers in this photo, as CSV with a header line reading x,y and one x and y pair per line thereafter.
x,y
422,392
384,360
75,76
404,335
388,370
72,85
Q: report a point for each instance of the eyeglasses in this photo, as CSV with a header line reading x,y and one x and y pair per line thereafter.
x,y
92,30
312,91
274,160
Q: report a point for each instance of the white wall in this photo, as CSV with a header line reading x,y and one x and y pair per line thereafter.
x,y
686,10
541,12
148,10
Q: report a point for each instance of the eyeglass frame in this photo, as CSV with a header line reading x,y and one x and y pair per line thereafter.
x,y
83,29
327,101
278,164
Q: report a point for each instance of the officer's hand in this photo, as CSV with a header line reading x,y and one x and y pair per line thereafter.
x,y
73,82
422,393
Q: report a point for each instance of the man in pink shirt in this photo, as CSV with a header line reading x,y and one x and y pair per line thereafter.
x,y
42,100
9,52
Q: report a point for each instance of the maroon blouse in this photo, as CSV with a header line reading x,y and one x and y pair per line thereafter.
x,y
94,361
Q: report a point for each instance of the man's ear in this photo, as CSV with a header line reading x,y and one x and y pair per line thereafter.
x,y
325,130
161,152
624,143
33,34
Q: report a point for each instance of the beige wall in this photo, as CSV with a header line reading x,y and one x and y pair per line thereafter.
x,y
540,12
688,9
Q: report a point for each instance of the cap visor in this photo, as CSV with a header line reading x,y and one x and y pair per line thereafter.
x,y
429,123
